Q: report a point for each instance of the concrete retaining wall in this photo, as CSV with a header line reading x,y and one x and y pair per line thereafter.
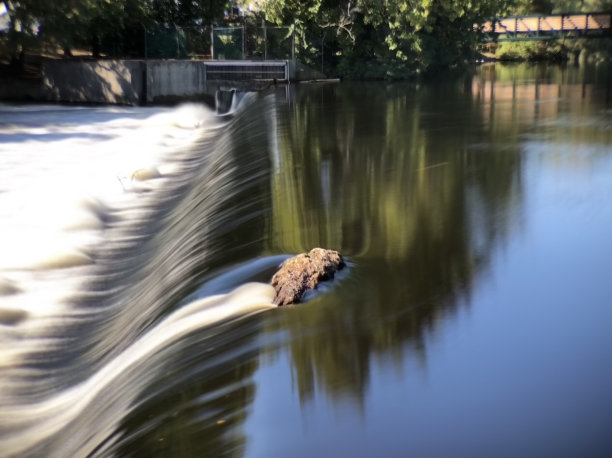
x,y
100,81
180,78
134,82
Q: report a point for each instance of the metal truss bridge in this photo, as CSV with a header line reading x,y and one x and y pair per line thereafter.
x,y
554,26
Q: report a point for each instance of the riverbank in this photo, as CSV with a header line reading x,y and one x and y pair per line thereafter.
x,y
573,51
168,82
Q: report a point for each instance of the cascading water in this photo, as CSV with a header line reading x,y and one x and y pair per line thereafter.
x,y
110,217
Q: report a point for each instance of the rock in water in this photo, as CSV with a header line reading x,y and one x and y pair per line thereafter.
x,y
303,272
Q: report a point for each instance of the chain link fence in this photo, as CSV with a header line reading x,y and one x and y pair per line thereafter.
x,y
236,42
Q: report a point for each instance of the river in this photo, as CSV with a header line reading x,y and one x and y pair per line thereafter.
x,y
473,318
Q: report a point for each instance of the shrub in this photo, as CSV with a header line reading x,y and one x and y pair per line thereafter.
x,y
553,50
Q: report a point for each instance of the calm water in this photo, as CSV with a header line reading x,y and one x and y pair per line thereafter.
x,y
474,318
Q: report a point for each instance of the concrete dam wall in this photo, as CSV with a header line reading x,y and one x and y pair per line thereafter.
x,y
134,82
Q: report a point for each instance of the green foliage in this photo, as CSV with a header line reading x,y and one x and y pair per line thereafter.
x,y
387,38
67,24
101,26
532,51
355,39
585,6
590,51
183,12
524,7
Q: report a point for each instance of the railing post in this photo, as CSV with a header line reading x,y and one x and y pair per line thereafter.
x,y
586,24
265,36
145,73
562,23
516,19
145,41
293,42
212,42
322,50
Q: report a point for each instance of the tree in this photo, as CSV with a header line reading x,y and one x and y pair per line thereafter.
x,y
99,25
586,6
429,33
184,12
389,38
22,24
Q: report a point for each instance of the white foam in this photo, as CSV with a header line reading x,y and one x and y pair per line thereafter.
x,y
64,174
62,169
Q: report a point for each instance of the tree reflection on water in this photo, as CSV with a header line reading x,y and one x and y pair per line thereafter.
x,y
417,186
413,187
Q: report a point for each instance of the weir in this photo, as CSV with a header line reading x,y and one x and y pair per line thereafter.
x,y
81,344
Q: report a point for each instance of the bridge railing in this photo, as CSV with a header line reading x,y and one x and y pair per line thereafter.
x,y
550,26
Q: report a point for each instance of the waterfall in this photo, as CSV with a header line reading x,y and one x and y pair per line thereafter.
x,y
112,218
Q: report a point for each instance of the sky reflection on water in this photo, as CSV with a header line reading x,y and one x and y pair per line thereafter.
x,y
476,319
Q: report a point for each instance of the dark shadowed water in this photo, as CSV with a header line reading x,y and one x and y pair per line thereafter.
x,y
474,319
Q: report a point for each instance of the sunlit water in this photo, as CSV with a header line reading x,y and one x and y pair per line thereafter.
x,y
473,320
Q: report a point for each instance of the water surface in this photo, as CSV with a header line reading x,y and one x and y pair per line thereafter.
x,y
473,319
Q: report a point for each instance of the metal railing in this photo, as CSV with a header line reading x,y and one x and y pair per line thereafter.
x,y
247,70
550,26
236,42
